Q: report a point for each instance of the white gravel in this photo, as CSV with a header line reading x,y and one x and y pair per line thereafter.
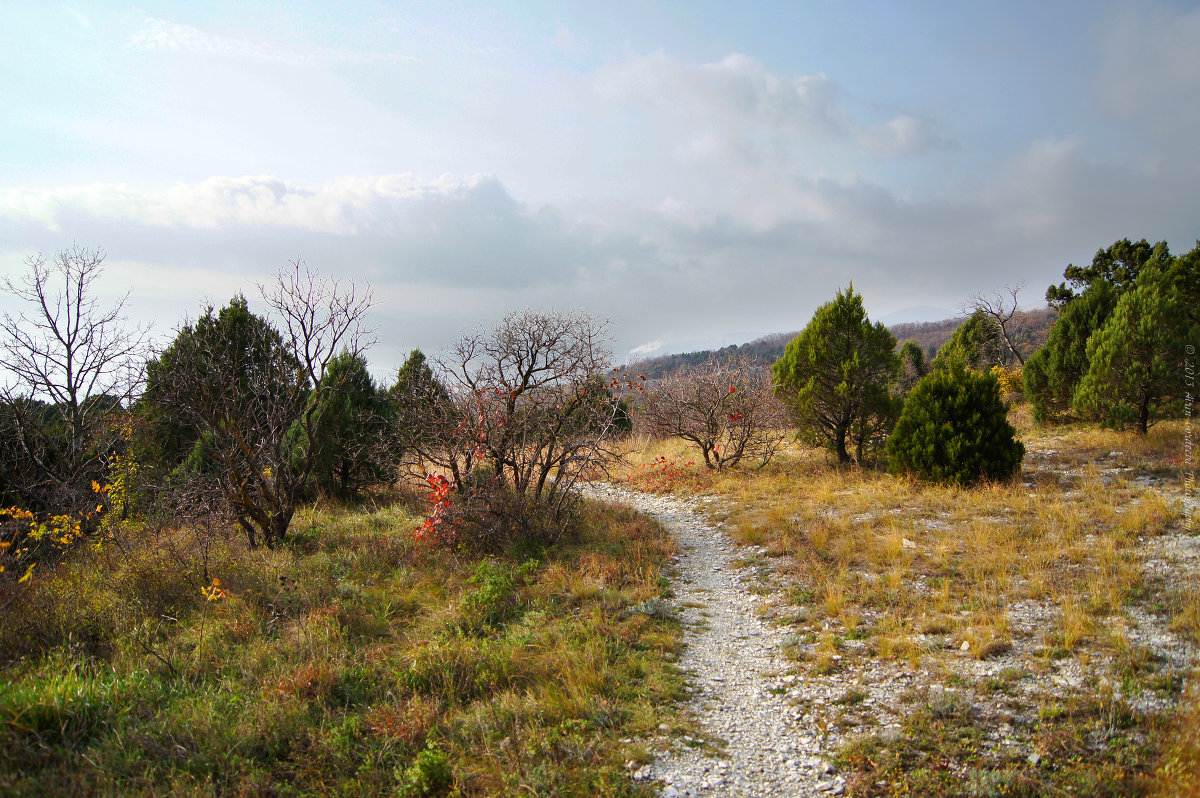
x,y
744,695
777,723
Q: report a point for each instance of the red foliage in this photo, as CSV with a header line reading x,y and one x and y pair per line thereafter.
x,y
436,524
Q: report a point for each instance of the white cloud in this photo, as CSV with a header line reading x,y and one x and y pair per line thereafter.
x,y
735,92
674,272
647,348
165,36
736,110
344,206
570,43
452,230
904,135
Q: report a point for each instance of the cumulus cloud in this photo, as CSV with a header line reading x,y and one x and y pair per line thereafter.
x,y
680,273
904,135
733,92
739,110
165,36
344,206
449,230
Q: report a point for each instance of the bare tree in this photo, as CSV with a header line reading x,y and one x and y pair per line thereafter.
x,y
1000,307
726,406
319,316
250,398
524,412
71,363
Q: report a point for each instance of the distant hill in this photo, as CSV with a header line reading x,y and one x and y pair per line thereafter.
x,y
765,350
1032,327
1030,330
916,314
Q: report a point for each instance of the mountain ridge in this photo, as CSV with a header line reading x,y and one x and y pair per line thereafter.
x,y
1032,327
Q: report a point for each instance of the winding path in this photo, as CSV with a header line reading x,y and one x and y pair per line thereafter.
x,y
743,694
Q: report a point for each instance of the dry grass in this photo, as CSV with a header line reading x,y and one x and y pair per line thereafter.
x,y
1032,575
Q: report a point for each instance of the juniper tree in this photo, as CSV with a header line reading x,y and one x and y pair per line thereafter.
x,y
1135,361
835,374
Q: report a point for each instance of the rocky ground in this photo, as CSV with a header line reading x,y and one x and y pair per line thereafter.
x,y
764,735
773,726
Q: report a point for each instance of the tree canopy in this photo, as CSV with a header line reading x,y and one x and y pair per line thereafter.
x,y
229,390
834,376
1151,329
1117,266
976,344
351,442
1052,372
1135,361
245,398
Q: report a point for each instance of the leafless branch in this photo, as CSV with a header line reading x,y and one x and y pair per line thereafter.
x,y
318,316
525,408
66,357
1000,307
725,406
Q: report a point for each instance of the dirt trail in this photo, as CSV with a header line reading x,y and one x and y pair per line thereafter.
x,y
744,694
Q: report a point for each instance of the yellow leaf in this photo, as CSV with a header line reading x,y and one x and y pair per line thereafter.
x,y
28,574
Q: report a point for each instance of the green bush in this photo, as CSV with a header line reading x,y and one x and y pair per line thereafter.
x,y
954,429
430,774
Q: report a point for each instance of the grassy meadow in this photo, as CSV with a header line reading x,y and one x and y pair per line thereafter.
x,y
1047,629
355,661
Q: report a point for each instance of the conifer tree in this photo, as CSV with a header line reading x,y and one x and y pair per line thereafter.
x,y
1052,372
834,376
954,429
1135,361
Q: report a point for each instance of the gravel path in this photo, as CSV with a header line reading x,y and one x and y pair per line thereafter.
x,y
743,693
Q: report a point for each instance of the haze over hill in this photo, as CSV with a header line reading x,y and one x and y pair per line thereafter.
x,y
920,313
1032,327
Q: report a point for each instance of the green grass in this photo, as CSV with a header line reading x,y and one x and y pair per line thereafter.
x,y
354,662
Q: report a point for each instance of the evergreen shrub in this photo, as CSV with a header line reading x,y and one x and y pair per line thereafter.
x,y
954,429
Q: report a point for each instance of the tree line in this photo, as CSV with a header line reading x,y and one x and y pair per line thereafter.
x,y
1115,355
242,417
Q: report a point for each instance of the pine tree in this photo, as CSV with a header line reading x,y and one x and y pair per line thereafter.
x,y
976,343
835,374
349,445
1135,361
1052,372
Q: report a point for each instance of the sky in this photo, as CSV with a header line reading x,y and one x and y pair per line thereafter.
x,y
696,173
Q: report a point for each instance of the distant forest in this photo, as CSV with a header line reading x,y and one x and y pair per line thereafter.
x,y
1032,328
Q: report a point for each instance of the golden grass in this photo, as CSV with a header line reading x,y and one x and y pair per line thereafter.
x,y
930,574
